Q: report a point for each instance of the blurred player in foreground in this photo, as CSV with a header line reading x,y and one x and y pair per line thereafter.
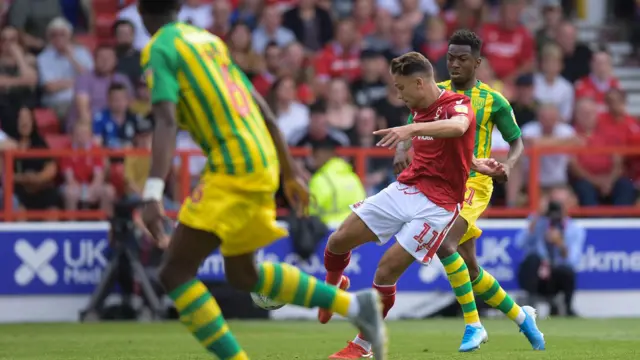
x,y
491,109
420,207
195,84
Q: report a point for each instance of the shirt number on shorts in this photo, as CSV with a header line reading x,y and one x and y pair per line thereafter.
x,y
469,199
420,237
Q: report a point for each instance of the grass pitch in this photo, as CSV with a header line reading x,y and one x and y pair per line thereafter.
x,y
433,339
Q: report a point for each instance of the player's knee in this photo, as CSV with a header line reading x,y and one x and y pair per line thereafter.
x,y
245,281
171,276
386,274
338,241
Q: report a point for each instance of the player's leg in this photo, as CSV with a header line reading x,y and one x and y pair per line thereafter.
x,y
286,283
460,281
395,261
487,288
198,310
377,218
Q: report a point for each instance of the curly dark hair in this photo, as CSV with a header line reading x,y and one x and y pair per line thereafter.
x,y
467,37
160,7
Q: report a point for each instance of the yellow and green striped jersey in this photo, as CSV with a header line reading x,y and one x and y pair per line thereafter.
x,y
492,109
192,68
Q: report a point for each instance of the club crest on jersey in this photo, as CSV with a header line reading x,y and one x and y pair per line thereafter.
x,y
478,103
438,112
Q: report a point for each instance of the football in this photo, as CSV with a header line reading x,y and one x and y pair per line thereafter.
x,y
264,302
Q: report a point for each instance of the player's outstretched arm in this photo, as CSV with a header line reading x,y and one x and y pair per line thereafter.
x,y
454,127
295,189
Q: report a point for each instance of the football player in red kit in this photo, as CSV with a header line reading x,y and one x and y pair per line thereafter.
x,y
420,207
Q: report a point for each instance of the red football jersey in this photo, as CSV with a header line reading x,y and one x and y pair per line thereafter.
x,y
440,166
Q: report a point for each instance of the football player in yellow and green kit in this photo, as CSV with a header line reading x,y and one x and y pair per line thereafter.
x,y
492,109
195,85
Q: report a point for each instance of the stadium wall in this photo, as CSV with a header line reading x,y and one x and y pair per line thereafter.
x,y
48,270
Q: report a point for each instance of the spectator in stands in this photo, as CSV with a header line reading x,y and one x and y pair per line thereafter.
x,y
379,170
18,78
550,131
197,13
398,8
334,186
221,18
34,177
486,74
465,14
552,21
6,143
553,243
340,108
435,43
293,63
128,56
363,15
59,64
413,14
401,40
371,86
131,14
598,177
380,39
247,12
271,30
32,18
91,90
184,142
272,69
340,58
616,121
115,126
241,50
524,102
577,56
84,175
391,110
549,86
599,81
292,116
508,45
318,129
311,24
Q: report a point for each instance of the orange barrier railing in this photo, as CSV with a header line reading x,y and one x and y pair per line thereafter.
x,y
359,156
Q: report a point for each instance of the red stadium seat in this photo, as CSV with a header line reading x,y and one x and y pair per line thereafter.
x,y
104,25
88,41
47,121
58,141
116,177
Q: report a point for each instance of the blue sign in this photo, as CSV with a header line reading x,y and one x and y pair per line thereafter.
x,y
69,258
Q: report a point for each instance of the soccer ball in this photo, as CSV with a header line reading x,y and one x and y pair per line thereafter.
x,y
265,303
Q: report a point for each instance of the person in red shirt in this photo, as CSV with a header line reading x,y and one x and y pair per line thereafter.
x,y
363,11
272,69
624,128
508,45
422,205
84,176
598,176
340,58
599,81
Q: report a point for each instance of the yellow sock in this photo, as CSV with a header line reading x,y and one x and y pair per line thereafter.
x,y
458,275
489,290
200,313
288,284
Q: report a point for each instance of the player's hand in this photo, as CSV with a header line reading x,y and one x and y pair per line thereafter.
x,y
153,218
391,137
297,194
401,161
491,167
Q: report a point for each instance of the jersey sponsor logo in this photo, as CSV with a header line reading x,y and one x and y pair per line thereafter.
x,y
461,109
422,138
478,103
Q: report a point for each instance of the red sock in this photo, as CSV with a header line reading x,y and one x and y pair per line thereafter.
x,y
335,265
388,297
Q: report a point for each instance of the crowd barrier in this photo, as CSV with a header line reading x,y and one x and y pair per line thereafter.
x,y
359,157
57,265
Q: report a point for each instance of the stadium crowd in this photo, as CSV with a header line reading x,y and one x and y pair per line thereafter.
x,y
322,65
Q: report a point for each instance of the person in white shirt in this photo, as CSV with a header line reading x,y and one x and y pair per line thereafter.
x,y
550,87
142,36
550,131
271,29
196,13
292,116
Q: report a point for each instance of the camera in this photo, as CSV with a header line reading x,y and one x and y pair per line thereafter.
x,y
555,213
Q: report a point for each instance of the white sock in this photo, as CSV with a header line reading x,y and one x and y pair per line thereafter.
x,y
354,306
521,316
362,343
476,325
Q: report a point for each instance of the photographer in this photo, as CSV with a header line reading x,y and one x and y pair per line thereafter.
x,y
554,245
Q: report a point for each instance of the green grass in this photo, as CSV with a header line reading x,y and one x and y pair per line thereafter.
x,y
567,339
